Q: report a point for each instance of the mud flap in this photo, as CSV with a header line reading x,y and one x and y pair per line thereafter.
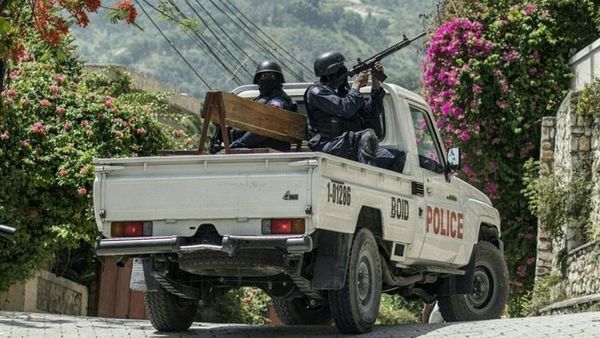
x,y
459,284
141,276
331,262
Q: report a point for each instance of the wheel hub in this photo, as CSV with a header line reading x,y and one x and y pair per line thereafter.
x,y
481,290
363,280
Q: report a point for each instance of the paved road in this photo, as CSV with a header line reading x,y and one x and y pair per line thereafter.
x,y
19,324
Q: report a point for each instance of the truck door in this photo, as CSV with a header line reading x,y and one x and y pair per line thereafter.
x,y
444,219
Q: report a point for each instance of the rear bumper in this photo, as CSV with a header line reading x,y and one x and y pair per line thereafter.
x,y
135,246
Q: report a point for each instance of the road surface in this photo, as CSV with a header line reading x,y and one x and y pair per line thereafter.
x,y
20,324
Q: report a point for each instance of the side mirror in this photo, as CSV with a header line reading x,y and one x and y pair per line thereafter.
x,y
454,161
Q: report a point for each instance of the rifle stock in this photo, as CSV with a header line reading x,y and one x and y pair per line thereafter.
x,y
370,62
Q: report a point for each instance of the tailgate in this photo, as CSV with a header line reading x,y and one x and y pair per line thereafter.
x,y
179,193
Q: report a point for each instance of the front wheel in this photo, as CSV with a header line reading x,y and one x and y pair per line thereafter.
x,y
356,305
168,312
490,289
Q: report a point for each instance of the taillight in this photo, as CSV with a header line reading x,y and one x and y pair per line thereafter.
x,y
283,226
131,229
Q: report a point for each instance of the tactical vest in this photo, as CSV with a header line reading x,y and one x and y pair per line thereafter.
x,y
325,125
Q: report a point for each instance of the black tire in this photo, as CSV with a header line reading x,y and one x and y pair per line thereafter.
x,y
356,305
490,289
168,312
300,311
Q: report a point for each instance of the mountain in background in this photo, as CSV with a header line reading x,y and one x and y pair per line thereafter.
x,y
302,28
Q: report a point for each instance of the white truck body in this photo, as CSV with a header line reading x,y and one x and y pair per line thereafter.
x,y
429,221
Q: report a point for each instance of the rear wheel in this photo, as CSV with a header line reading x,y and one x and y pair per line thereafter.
x,y
168,312
302,311
490,289
356,305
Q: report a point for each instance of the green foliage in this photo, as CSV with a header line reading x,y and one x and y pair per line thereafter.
x,y
53,122
244,305
546,291
396,310
489,92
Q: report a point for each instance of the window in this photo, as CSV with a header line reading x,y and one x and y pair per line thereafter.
x,y
427,148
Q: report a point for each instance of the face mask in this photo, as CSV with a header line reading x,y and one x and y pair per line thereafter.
x,y
267,87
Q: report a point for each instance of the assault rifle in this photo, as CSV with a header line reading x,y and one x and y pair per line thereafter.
x,y
370,62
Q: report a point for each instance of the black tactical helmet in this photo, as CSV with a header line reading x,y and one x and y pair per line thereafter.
x,y
329,63
268,67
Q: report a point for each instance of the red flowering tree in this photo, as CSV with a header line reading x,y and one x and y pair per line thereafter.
x,y
492,70
50,19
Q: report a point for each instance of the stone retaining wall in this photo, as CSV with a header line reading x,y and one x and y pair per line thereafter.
x,y
46,292
583,270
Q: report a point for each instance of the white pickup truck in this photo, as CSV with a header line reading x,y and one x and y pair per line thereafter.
x,y
322,235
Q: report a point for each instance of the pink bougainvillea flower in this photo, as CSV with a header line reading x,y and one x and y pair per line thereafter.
x,y
59,78
504,86
45,103
39,129
63,172
5,135
141,131
24,143
522,270
515,283
60,110
496,140
82,191
530,260
67,126
532,70
15,74
10,92
54,89
464,135
502,104
108,101
529,9
476,89
84,123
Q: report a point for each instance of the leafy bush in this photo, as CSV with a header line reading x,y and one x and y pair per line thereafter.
x,y
492,69
244,305
396,310
53,122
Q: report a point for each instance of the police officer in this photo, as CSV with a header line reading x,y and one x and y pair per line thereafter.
x,y
336,113
269,78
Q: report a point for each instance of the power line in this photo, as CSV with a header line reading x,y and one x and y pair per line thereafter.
x,y
268,37
226,49
258,43
225,33
172,45
202,39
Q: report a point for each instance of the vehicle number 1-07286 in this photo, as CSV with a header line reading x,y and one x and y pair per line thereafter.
x,y
339,193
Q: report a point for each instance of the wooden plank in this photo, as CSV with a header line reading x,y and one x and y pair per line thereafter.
x,y
122,291
108,281
257,118
137,309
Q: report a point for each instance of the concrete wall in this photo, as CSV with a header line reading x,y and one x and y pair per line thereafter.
x,y
586,65
46,292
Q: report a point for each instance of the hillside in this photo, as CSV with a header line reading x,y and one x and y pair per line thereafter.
x,y
304,28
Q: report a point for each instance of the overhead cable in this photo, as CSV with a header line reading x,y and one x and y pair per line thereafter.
x,y
173,46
